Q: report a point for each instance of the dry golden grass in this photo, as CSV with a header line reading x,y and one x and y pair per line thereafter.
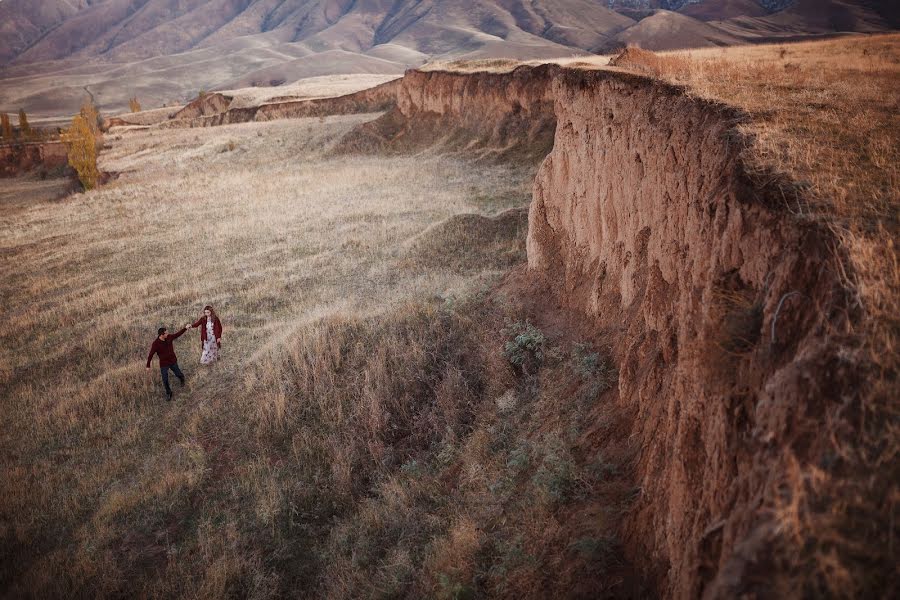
x,y
350,442
253,219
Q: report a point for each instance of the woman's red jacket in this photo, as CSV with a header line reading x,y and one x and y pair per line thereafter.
x,y
201,323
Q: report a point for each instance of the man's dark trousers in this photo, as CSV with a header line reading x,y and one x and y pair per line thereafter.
x,y
164,371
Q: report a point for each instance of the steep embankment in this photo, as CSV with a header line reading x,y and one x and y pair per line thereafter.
x,y
25,156
216,109
724,311
509,116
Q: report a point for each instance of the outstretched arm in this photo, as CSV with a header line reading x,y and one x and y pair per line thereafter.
x,y
197,322
180,332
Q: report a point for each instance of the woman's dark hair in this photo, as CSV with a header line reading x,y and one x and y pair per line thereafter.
x,y
160,331
212,313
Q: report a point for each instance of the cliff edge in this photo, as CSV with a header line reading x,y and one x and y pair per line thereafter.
x,y
725,311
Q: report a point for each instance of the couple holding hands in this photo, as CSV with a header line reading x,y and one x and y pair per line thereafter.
x,y
210,343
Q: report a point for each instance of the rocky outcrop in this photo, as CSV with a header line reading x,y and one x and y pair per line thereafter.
x,y
724,311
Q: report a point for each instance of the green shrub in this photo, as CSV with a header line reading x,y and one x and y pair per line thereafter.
x,y
594,367
527,345
555,478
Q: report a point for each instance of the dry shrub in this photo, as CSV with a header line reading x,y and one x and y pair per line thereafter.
x,y
134,105
452,559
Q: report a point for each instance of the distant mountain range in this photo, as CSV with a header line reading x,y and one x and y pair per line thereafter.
x,y
167,48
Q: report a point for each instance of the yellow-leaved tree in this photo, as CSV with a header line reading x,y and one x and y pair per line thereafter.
x,y
24,127
91,115
6,127
82,145
134,105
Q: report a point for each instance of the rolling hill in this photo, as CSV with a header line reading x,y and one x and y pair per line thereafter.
x,y
166,50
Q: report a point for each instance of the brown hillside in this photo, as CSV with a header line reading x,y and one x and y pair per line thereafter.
x,y
805,17
717,10
165,51
666,30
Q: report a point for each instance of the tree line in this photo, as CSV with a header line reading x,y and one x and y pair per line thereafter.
x,y
83,138
25,131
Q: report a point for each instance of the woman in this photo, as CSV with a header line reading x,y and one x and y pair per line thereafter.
x,y
210,335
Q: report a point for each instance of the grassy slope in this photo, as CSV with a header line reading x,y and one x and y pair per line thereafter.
x,y
364,433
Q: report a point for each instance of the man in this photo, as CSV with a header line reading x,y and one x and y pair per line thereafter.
x,y
162,346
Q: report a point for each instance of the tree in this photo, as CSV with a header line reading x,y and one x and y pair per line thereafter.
x,y
24,127
6,127
134,105
91,115
82,150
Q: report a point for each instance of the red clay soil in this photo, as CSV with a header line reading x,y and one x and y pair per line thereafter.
x,y
724,311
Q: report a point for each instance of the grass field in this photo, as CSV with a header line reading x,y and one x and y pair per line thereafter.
x,y
253,219
364,430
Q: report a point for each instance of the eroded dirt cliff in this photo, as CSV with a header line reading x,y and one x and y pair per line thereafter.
x,y
509,116
724,310
217,109
19,158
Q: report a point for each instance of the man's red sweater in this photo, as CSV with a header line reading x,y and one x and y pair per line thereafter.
x,y
165,350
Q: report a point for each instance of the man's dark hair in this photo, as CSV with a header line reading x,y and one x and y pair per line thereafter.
x,y
160,331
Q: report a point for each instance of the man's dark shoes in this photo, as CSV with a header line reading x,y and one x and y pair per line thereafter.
x,y
182,381
168,396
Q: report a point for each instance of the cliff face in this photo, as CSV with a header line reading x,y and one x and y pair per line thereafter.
x,y
509,116
721,307
644,218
